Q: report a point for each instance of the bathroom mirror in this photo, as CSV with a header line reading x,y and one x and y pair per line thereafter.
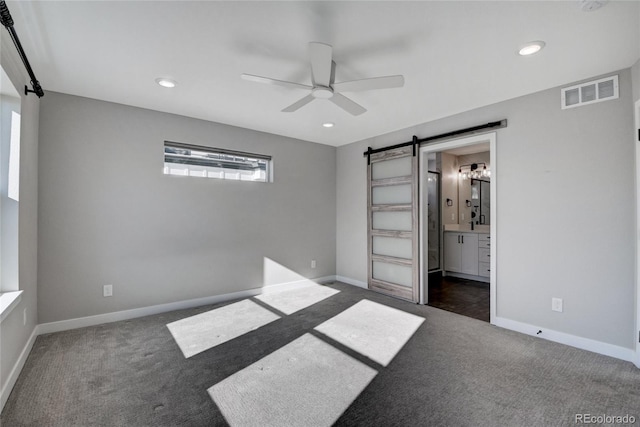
x,y
480,201
474,197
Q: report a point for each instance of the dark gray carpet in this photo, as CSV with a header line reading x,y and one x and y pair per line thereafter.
x,y
454,371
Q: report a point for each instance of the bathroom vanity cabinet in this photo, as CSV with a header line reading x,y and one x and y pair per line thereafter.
x,y
484,255
467,253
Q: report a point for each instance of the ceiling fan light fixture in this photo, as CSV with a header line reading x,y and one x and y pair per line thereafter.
x,y
165,82
531,48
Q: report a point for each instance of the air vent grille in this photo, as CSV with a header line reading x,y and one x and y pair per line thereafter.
x,y
590,92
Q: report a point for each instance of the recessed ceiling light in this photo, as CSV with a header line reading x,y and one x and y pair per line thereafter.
x,y
328,125
531,48
164,82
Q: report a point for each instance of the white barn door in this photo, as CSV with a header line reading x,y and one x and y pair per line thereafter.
x,y
393,237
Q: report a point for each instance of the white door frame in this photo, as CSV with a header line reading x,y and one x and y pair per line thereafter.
x,y
443,146
636,138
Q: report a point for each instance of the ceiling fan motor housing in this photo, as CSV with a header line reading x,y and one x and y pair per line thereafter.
x,y
322,92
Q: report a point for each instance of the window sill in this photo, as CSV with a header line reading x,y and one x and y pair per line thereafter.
x,y
8,301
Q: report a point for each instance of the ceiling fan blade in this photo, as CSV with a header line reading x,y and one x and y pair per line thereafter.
x,y
369,84
320,54
347,105
333,73
267,80
299,104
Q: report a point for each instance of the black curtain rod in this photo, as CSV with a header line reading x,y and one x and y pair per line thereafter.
x,y
7,21
417,141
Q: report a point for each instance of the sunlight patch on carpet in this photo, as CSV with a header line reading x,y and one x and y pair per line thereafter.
x,y
291,300
373,330
305,383
203,331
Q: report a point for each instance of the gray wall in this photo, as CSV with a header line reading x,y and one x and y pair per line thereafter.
x,y
565,210
14,333
109,216
635,76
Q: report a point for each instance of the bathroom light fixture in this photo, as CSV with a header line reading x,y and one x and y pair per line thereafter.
x,y
531,48
328,125
165,82
471,171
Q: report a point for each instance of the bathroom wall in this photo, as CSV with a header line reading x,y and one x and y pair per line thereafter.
x,y
449,188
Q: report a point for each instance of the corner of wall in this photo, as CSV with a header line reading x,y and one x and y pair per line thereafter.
x,y
19,329
635,80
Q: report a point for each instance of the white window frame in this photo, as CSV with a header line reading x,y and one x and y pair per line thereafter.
x,y
10,293
211,162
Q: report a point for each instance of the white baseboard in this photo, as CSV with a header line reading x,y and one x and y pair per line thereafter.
x,y
568,339
81,322
64,325
45,328
352,282
17,368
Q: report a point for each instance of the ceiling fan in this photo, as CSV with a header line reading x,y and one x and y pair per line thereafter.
x,y
323,71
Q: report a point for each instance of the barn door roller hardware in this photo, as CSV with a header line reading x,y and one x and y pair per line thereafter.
x,y
417,142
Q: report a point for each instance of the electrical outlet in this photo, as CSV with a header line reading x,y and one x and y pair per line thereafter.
x,y
107,291
462,216
556,304
313,263
453,217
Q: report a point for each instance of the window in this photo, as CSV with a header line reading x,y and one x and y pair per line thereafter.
x,y
9,194
207,162
13,179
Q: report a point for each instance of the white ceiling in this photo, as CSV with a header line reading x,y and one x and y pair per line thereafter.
x,y
455,56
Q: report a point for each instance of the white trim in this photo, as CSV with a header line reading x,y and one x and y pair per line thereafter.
x,y
571,340
352,282
455,143
423,169
493,279
636,138
8,301
17,368
81,322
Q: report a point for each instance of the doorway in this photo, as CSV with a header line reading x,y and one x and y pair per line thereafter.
x,y
462,277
